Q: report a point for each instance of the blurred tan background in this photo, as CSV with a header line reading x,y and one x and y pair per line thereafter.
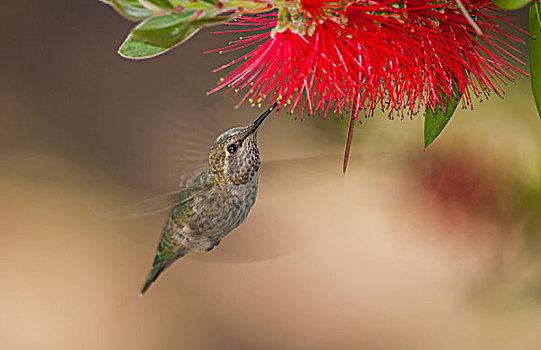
x,y
411,249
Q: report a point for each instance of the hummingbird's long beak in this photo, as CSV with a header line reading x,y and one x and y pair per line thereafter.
x,y
259,120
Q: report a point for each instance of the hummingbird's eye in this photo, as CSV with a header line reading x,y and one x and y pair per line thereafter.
x,y
232,148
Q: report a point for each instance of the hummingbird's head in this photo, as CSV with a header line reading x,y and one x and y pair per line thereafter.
x,y
234,156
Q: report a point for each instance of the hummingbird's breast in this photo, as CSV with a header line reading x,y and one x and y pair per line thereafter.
x,y
219,211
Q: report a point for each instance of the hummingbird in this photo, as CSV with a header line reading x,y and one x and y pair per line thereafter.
x,y
215,202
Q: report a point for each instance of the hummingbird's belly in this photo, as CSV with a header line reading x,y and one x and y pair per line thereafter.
x,y
217,214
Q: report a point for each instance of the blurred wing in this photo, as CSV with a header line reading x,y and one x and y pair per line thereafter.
x,y
147,207
182,150
255,240
294,174
160,203
184,142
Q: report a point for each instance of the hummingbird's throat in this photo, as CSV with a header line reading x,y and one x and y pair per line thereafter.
x,y
242,167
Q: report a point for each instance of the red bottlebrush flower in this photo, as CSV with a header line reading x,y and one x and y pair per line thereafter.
x,y
397,55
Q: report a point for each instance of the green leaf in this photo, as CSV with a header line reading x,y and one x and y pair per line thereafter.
x,y
511,4
164,30
212,2
535,52
158,35
130,9
208,21
435,121
157,4
196,5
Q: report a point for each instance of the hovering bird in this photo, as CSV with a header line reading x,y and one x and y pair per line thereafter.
x,y
215,202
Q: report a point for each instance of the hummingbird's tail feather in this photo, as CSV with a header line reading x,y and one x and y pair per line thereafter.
x,y
161,265
152,276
